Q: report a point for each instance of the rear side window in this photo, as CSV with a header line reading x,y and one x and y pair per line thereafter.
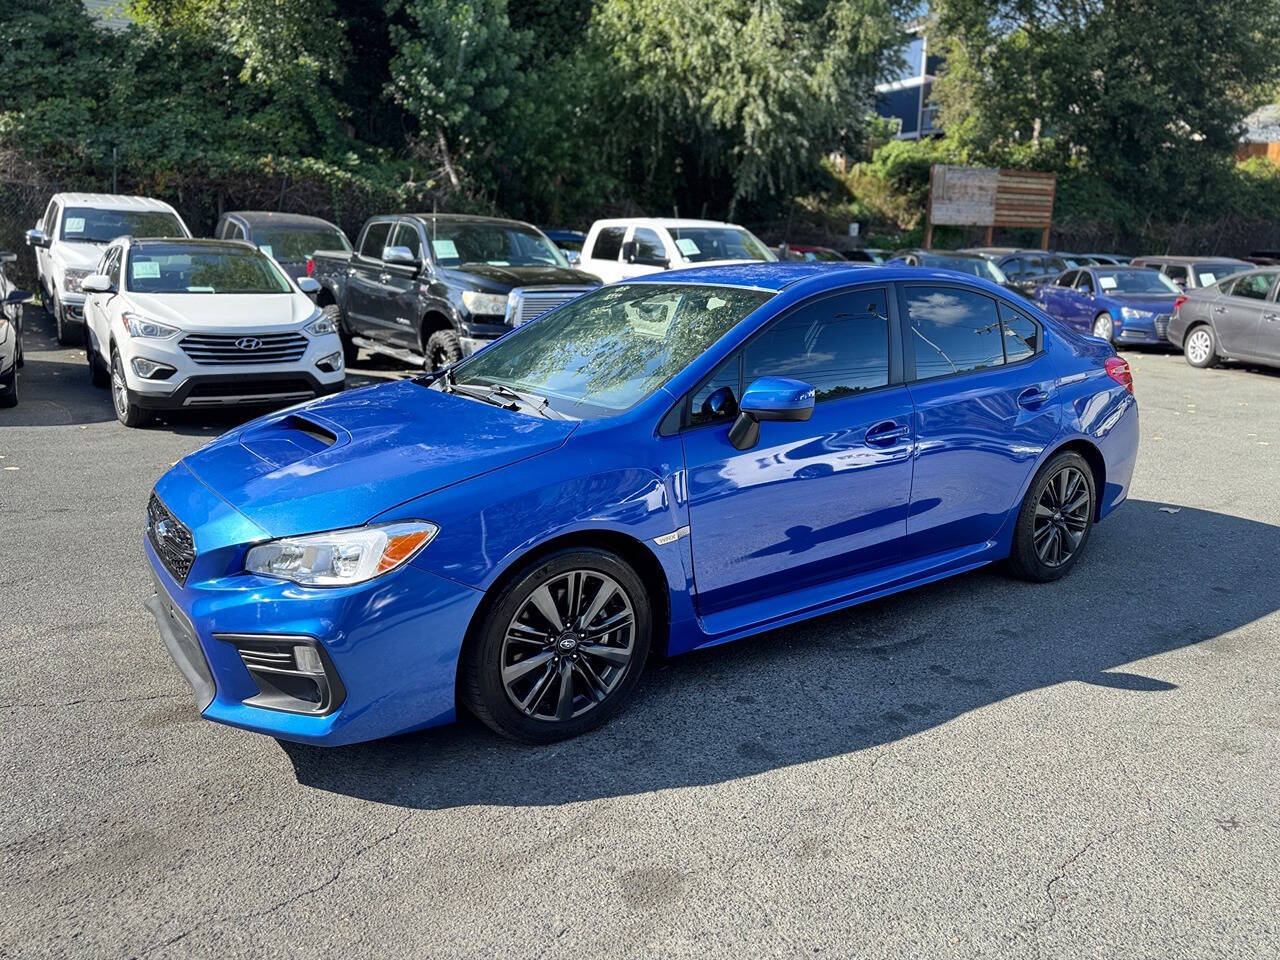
x,y
608,243
375,238
952,331
1021,335
839,345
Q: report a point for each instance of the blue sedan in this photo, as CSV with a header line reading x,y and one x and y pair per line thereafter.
x,y
660,465
1118,304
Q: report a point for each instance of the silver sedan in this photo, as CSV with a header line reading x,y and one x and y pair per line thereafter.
x,y
1237,318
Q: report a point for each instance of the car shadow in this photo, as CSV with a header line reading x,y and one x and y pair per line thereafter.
x,y
1152,582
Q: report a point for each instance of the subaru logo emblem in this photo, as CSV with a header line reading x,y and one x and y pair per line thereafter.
x,y
162,529
249,343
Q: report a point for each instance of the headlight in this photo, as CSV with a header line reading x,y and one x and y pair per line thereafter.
x,y
484,302
341,557
71,280
1129,313
321,325
138,326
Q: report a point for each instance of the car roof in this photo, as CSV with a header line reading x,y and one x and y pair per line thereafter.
x,y
112,201
1162,258
144,243
784,274
457,218
959,254
272,217
661,222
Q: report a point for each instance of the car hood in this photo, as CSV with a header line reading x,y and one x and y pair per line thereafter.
x,y
225,312
341,461
78,256
523,276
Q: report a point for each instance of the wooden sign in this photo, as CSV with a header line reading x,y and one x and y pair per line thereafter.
x,y
983,196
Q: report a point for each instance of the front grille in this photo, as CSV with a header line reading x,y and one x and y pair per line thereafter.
x,y
533,302
1162,325
171,540
245,348
249,388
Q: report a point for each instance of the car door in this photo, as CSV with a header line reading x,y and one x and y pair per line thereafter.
x,y
96,316
364,286
1238,317
1083,306
1267,345
984,393
602,255
811,502
49,226
398,316
1057,296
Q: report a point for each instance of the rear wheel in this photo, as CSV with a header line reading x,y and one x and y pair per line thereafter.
x,y
1200,347
123,400
1103,326
443,348
350,352
561,648
1055,520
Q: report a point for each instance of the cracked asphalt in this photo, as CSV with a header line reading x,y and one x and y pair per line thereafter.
x,y
977,768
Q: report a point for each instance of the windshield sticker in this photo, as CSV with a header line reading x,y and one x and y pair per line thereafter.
x,y
199,289
715,303
1108,283
144,270
75,225
652,318
687,247
1206,279
498,263
266,248
445,249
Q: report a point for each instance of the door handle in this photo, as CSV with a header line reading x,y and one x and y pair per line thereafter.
x,y
1219,309
1271,317
1031,398
887,433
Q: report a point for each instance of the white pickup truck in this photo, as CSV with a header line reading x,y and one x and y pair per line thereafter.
x,y
70,238
621,249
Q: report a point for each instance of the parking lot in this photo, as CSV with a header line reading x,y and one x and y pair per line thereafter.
x,y
979,768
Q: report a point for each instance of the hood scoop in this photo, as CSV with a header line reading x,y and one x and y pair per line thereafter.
x,y
292,438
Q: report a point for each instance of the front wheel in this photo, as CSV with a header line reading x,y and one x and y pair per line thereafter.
x,y
350,352
1103,327
123,400
443,348
1201,347
1055,520
561,648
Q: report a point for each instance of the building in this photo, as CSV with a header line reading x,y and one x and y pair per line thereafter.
x,y
906,98
110,13
1261,136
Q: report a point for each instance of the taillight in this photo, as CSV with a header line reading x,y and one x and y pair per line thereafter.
x,y
1178,302
311,268
1118,370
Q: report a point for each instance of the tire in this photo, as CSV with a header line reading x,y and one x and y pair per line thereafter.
x,y
123,399
443,348
98,375
1200,346
602,668
350,352
9,387
68,334
1033,556
1103,327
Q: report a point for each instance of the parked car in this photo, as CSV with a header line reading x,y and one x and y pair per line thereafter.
x,y
69,240
11,301
800,251
570,243
1109,259
663,464
431,289
197,323
622,249
1192,273
973,264
1027,269
1122,304
289,238
1236,318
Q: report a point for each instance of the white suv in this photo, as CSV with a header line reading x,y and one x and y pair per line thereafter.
x,y
69,240
199,323
621,249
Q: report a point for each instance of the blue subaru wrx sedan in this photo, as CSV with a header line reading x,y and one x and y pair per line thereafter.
x,y
669,463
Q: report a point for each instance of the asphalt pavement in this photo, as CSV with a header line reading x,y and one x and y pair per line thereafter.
x,y
980,768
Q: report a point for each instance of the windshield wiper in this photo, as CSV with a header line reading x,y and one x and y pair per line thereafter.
x,y
541,405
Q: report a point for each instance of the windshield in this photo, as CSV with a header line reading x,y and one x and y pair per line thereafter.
x,y
974,266
822,255
87,225
1208,273
607,350
179,268
497,244
1137,280
700,244
295,244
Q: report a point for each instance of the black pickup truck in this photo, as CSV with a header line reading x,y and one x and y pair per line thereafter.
x,y
433,288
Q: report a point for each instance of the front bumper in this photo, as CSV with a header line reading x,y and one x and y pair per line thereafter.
x,y
1147,330
72,307
391,644
221,390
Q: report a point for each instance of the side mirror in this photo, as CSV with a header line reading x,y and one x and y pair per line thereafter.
x,y
629,251
17,296
770,398
36,238
573,256
309,285
97,283
402,256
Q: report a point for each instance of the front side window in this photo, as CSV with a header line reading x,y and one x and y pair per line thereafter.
x,y
839,345
87,225
203,268
375,239
649,247
727,376
1085,282
464,243
608,243
1066,279
700,244
1255,286
607,350
406,235
952,331
50,219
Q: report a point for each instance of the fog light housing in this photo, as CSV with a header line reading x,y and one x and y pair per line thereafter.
x,y
331,363
150,370
292,673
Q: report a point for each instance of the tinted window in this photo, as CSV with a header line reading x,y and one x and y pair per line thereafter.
x,y
608,243
234,232
375,238
1021,335
952,331
1084,283
1066,279
1254,286
406,235
648,246
839,345
727,375
1176,272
